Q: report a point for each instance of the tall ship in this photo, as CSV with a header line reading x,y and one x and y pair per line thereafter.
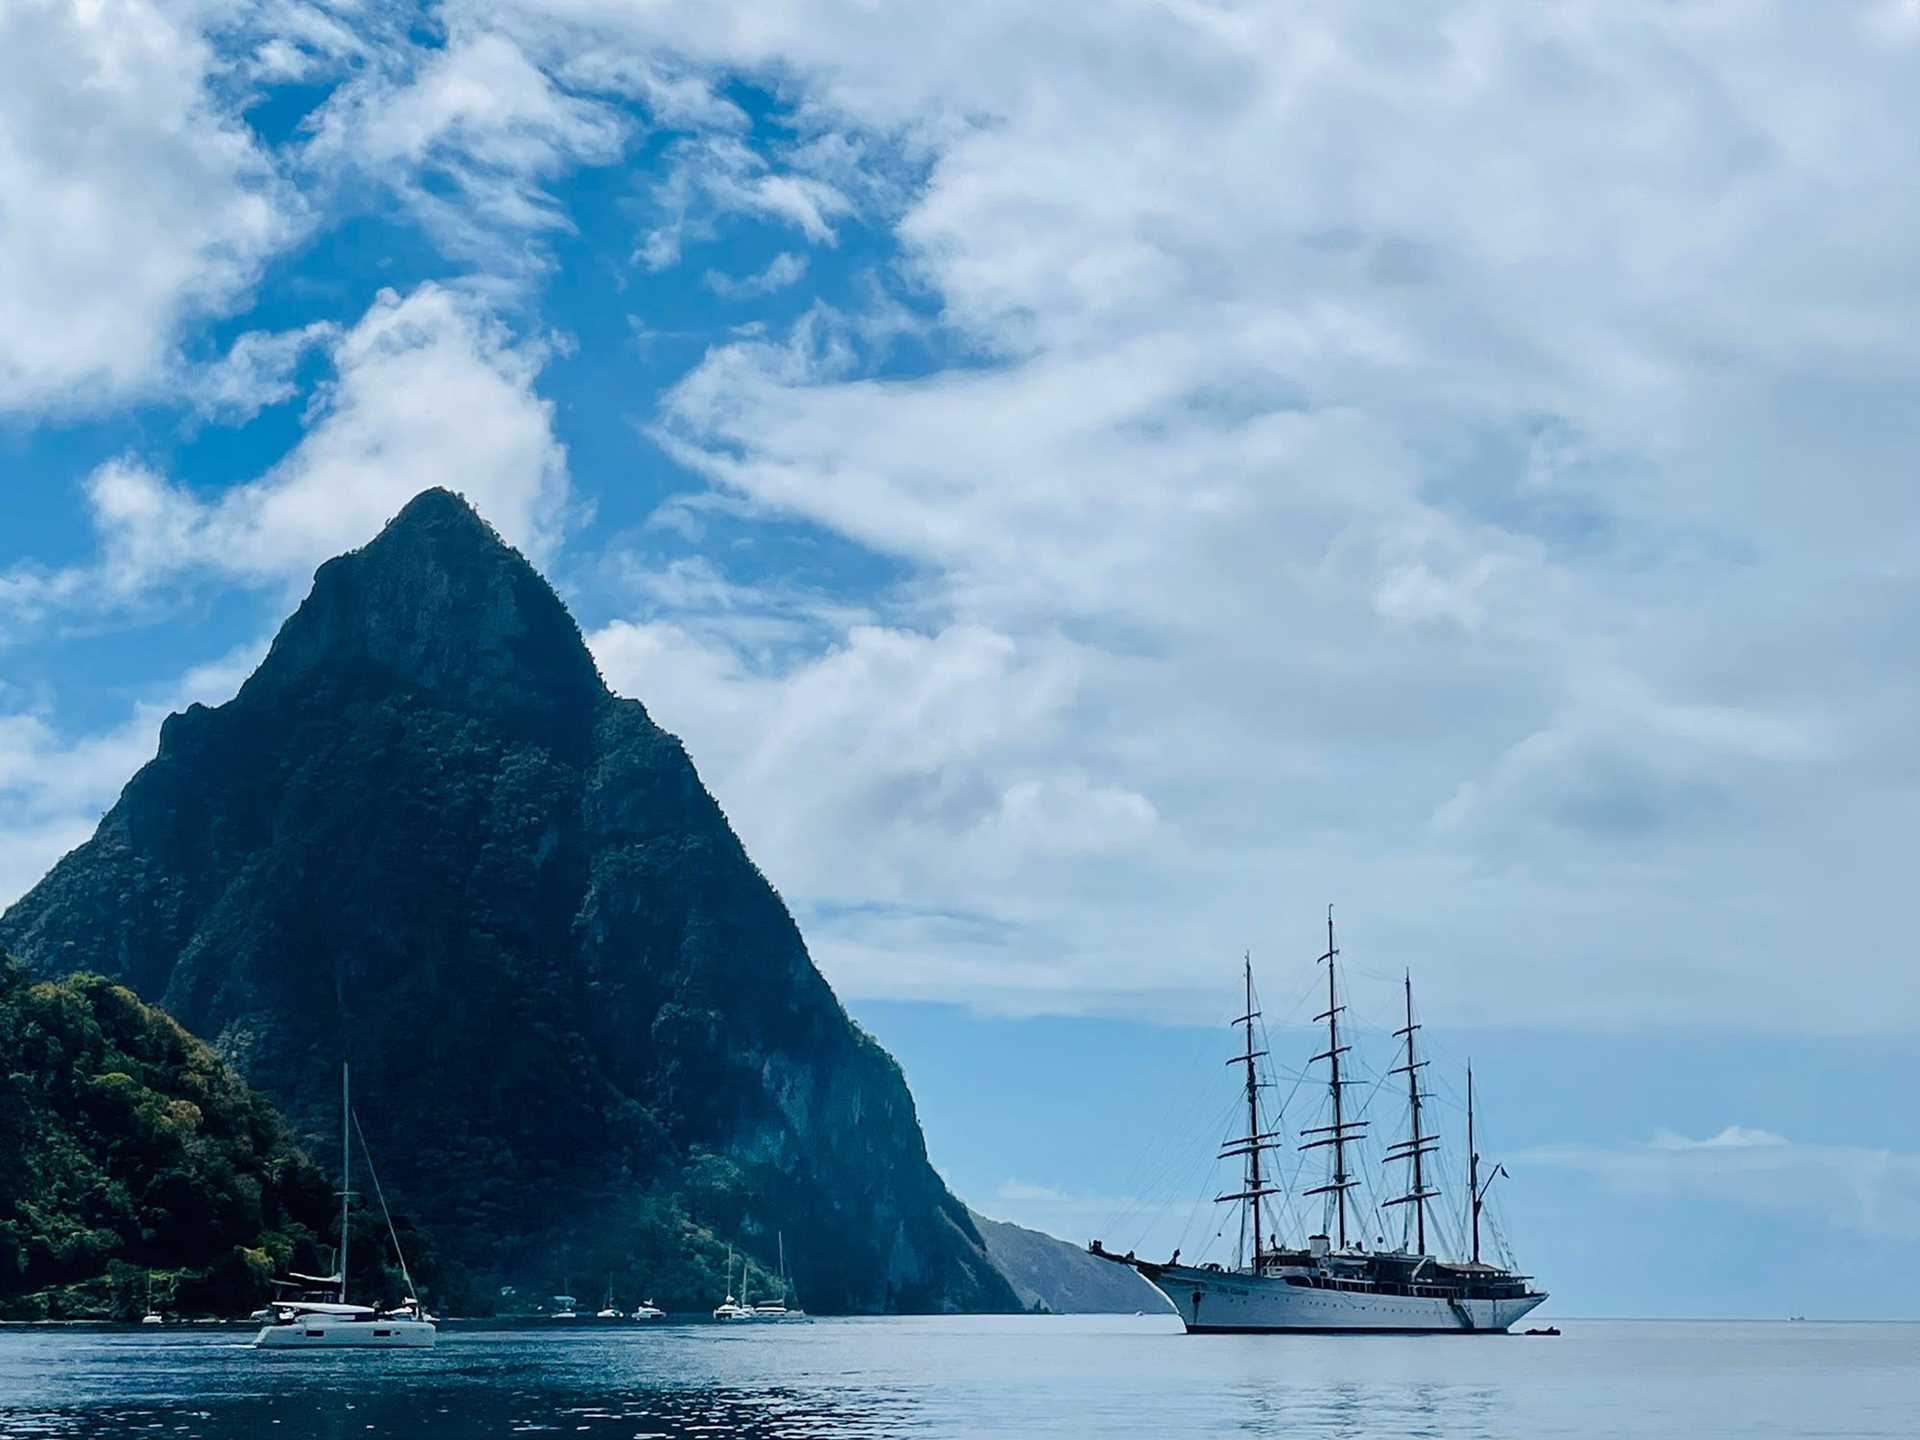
x,y
1335,1284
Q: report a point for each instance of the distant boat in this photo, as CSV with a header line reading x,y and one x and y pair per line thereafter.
x,y
152,1317
1334,1283
776,1309
647,1310
730,1308
607,1312
306,1322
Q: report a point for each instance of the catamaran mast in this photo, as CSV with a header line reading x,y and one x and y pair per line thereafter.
x,y
1416,1145
1337,1134
346,1173
1255,1140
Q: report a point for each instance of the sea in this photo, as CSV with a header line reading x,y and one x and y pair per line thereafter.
x,y
972,1376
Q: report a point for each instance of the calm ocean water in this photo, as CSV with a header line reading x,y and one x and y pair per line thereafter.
x,y
1065,1376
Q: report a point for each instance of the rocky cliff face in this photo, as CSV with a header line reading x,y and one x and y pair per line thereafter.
x,y
424,837
1052,1275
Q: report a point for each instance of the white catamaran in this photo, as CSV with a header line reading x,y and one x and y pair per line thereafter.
x,y
1335,1284
303,1317
777,1309
730,1308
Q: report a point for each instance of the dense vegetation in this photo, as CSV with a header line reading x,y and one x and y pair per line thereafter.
x,y
586,1033
126,1148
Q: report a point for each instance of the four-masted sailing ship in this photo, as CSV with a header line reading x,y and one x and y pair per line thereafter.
x,y
1336,1284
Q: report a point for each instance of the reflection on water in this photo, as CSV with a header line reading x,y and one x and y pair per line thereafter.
x,y
656,1415
864,1380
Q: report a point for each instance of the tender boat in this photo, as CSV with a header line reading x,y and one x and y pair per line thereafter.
x,y
308,1320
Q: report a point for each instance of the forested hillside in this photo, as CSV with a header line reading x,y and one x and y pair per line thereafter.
x,y
127,1147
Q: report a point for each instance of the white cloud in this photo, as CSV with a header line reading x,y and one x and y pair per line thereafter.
x,y
1511,541
1734,1137
132,200
1456,467
1873,1193
783,270
428,390
257,371
718,174
468,136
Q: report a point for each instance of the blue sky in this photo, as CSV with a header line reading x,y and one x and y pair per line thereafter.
x,y
1091,484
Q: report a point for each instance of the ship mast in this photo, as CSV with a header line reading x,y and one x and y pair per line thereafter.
x,y
1255,1141
1473,1169
1340,1132
1416,1146
1476,1192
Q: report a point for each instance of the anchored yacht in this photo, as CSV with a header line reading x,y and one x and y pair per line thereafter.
x,y
730,1308
311,1312
609,1311
775,1309
1335,1283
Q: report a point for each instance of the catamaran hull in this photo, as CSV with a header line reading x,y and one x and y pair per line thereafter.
x,y
1211,1302
331,1334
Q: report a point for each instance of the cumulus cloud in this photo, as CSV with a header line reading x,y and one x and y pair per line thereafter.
x,y
1305,488
1461,529
257,371
428,389
132,197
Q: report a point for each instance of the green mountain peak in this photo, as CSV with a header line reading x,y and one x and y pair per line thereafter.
x,y
586,1032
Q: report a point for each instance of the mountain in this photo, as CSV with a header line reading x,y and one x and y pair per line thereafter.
x,y
424,837
1053,1275
127,1147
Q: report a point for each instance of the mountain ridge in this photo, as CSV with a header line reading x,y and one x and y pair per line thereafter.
x,y
425,836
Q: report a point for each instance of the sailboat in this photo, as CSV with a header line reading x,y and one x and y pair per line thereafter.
x,y
1334,1283
306,1320
152,1316
647,1310
730,1308
607,1312
777,1309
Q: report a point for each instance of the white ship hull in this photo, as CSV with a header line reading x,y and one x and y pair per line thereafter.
x,y
330,1332
1224,1302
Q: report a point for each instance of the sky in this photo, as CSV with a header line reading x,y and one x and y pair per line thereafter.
x,y
1092,485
